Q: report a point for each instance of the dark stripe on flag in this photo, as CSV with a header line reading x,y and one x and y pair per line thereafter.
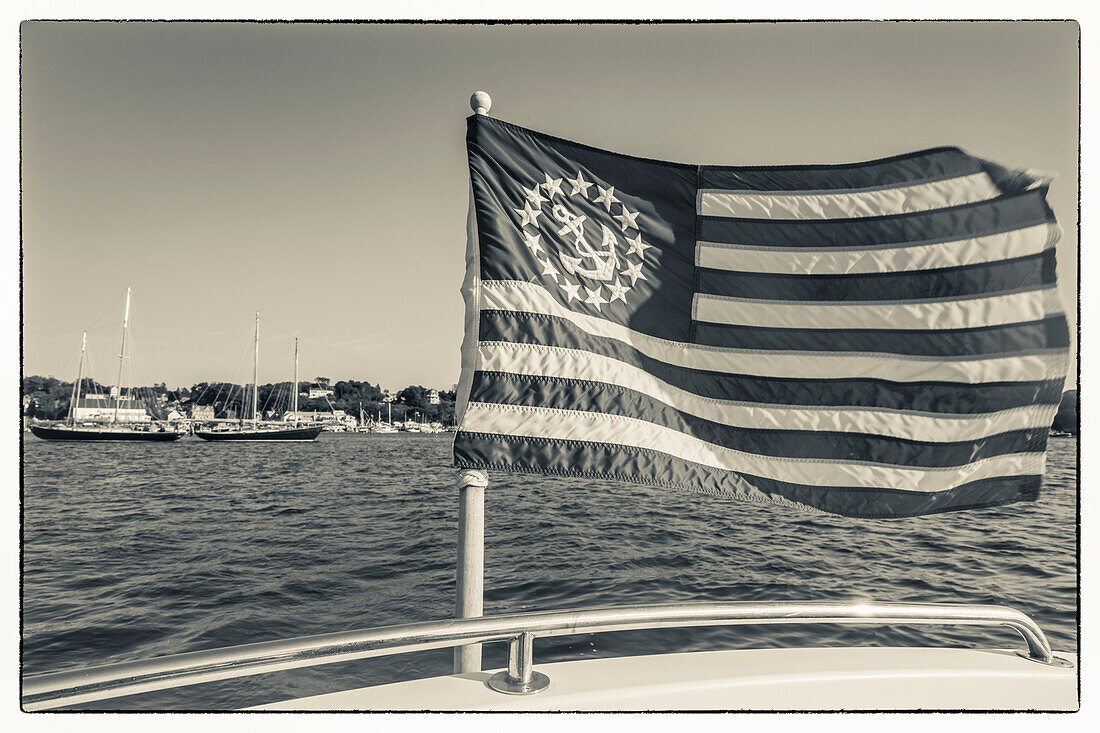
x,y
623,463
980,219
898,170
1022,273
1050,333
599,397
942,397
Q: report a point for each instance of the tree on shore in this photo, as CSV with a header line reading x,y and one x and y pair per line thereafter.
x,y
48,399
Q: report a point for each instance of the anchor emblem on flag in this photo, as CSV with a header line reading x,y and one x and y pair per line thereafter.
x,y
608,267
605,268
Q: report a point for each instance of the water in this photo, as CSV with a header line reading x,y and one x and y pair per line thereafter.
x,y
135,550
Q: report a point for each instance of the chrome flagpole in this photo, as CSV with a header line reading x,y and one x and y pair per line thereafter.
x,y
470,569
470,572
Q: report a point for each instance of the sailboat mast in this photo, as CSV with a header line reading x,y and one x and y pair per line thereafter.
x,y
294,391
79,379
121,357
255,369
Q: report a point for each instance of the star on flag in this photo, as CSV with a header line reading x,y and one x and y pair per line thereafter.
x,y
594,297
552,186
529,215
571,291
579,185
618,291
606,197
534,196
532,242
634,272
548,269
626,219
637,246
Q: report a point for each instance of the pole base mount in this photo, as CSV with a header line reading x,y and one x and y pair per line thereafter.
x,y
1054,661
503,682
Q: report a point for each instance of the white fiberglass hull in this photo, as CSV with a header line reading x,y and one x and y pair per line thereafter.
x,y
865,678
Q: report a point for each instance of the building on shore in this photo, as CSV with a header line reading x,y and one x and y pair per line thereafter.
x,y
307,416
100,407
338,417
202,412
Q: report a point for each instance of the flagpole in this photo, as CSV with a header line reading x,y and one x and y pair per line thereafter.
x,y
470,568
470,571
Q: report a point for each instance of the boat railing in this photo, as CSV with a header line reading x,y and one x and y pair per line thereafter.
x,y
46,691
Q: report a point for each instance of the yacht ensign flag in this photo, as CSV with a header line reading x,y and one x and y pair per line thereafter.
x,y
879,339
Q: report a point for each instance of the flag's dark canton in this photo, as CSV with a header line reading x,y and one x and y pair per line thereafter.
x,y
603,234
882,339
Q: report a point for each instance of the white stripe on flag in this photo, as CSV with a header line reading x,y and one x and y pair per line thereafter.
x,y
919,315
545,422
868,260
778,205
541,361
523,297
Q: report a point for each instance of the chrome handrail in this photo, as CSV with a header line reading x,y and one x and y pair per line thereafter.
x,y
45,691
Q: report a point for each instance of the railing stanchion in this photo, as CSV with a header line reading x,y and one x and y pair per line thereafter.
x,y
521,657
470,570
521,677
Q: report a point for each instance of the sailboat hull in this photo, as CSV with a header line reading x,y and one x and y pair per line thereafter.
x,y
96,434
271,434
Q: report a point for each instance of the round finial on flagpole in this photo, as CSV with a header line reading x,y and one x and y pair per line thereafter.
x,y
480,103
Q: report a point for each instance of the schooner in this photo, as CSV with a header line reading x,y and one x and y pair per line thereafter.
x,y
254,429
113,429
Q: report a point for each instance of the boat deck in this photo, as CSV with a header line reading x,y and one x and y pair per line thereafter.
x,y
843,678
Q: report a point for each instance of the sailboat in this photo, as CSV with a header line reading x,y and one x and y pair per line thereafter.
x,y
113,430
386,427
257,430
364,423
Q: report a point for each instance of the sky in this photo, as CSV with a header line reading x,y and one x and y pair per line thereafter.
x,y
317,172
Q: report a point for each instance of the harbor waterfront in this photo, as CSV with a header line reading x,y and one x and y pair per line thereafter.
x,y
134,550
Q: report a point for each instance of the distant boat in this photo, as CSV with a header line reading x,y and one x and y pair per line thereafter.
x,y
113,430
102,433
388,426
260,431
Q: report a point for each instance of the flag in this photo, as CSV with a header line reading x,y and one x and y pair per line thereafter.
x,y
879,339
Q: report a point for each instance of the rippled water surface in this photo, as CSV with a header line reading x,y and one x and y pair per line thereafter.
x,y
135,550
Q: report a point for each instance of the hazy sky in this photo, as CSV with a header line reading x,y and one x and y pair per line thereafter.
x,y
318,172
